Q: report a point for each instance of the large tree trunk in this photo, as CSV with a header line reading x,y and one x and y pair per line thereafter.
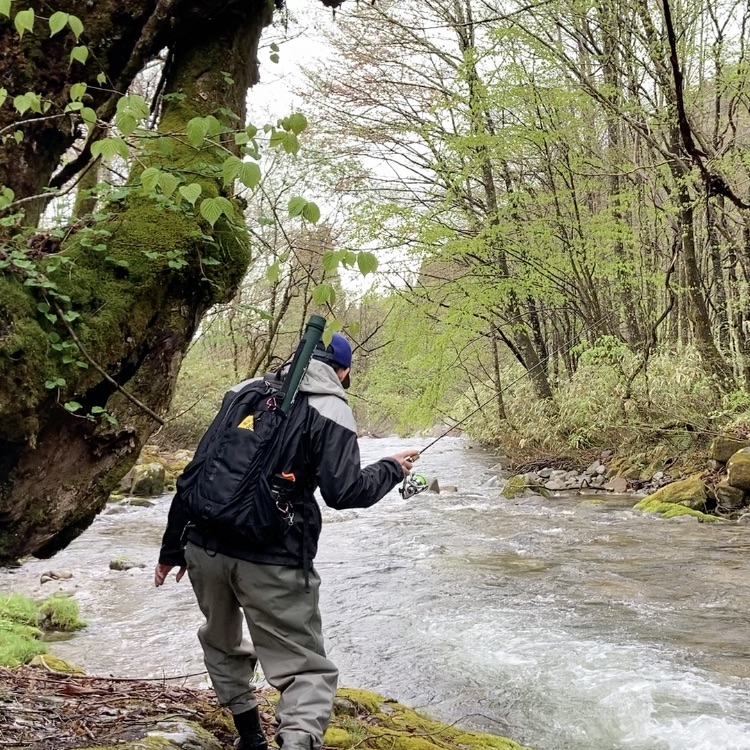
x,y
136,320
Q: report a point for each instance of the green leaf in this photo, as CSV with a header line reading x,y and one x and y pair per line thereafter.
x,y
108,148
296,206
241,138
190,192
212,208
7,195
274,57
276,139
323,293
290,143
150,179
196,131
165,146
168,183
54,383
21,103
57,22
101,78
76,25
79,54
251,131
367,263
88,115
214,126
331,260
77,90
72,406
273,272
311,212
230,169
3,96
249,174
5,8
274,47
297,122
24,21
126,123
135,104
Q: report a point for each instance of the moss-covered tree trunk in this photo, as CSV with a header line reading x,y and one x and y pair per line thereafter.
x,y
136,310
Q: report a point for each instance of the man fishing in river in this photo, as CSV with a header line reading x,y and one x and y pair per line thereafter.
x,y
274,585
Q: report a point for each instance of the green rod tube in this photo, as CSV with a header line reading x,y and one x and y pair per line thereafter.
x,y
310,338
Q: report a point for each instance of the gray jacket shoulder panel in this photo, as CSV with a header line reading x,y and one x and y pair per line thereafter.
x,y
333,408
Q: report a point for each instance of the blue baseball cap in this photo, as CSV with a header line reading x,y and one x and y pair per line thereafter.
x,y
338,354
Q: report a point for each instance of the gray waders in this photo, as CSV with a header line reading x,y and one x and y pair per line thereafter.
x,y
285,627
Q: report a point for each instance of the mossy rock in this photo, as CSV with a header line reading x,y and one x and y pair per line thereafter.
x,y
690,492
686,497
384,724
55,664
672,510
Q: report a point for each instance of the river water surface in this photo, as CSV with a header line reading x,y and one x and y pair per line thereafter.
x,y
569,623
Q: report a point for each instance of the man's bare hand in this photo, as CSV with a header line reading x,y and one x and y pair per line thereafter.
x,y
162,571
406,459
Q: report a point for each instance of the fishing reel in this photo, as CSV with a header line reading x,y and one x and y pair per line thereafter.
x,y
413,485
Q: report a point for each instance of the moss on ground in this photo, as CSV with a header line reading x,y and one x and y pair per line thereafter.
x,y
367,720
22,622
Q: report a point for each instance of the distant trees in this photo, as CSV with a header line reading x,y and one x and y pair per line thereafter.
x,y
560,172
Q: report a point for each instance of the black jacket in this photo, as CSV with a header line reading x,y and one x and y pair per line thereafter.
x,y
321,450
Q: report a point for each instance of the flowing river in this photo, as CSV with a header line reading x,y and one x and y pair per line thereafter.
x,y
569,623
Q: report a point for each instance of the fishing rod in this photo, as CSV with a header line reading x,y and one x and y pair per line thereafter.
x,y
415,483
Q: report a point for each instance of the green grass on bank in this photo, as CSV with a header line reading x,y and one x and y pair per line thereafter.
x,y
23,623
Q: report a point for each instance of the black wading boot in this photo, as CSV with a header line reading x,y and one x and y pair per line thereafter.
x,y
252,736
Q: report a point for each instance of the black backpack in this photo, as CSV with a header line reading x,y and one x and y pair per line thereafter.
x,y
233,485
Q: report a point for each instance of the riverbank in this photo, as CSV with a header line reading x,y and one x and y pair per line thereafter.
x,y
46,707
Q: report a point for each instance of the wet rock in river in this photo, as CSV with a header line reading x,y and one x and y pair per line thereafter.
x,y
119,564
55,575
